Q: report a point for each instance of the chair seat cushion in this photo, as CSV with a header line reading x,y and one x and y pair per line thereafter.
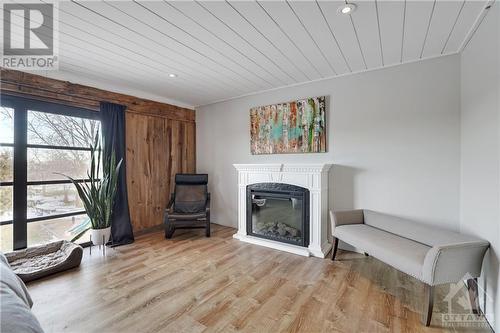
x,y
183,216
403,254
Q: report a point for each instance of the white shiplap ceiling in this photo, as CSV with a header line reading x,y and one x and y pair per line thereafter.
x,y
224,49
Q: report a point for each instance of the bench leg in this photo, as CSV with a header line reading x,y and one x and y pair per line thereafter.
x,y
335,246
428,304
473,295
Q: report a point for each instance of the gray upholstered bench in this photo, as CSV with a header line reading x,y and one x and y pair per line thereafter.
x,y
431,255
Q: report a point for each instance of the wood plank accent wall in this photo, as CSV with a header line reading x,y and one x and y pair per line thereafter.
x,y
155,144
160,138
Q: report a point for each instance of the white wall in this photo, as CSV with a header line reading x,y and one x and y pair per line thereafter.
x,y
393,135
480,157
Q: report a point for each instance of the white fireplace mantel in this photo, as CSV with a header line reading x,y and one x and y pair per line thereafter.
x,y
313,177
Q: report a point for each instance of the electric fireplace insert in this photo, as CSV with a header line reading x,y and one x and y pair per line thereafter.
x,y
279,212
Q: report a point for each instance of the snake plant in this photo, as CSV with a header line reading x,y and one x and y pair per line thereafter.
x,y
97,193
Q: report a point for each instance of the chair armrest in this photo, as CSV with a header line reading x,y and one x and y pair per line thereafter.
x,y
207,205
346,217
171,202
452,262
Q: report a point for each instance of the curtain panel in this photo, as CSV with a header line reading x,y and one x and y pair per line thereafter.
x,y
113,133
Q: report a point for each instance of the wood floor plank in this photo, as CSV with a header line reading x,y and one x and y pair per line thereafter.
x,y
191,283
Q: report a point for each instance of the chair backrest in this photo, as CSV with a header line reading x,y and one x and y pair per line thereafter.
x,y
190,193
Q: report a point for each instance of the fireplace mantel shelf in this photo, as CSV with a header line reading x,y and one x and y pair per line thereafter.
x,y
313,177
283,167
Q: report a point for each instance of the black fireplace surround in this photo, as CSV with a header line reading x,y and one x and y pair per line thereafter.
x,y
278,212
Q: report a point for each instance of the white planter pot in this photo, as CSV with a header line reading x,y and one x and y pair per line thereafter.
x,y
97,236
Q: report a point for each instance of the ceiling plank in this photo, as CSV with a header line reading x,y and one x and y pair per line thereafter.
x,y
417,18
158,39
224,50
85,27
286,19
282,68
365,21
469,14
225,32
317,21
445,15
180,37
258,18
391,15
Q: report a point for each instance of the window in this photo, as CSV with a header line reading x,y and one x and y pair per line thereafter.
x,y
40,142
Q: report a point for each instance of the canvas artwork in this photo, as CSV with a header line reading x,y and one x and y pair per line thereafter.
x,y
294,127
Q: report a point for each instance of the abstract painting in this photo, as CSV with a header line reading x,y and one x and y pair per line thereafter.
x,y
294,127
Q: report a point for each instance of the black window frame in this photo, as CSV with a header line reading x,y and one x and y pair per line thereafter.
x,y
20,183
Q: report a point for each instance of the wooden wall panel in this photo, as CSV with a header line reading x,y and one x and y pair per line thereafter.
x,y
191,145
160,138
157,149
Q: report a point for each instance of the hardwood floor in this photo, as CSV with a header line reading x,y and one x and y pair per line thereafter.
x,y
195,284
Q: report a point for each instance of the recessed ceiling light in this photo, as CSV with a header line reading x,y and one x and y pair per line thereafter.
x,y
172,75
346,9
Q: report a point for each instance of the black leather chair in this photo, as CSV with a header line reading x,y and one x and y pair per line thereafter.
x,y
189,207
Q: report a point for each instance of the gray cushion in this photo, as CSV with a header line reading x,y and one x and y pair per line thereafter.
x,y
193,216
15,303
421,233
403,254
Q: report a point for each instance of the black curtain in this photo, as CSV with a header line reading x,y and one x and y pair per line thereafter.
x,y
113,133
